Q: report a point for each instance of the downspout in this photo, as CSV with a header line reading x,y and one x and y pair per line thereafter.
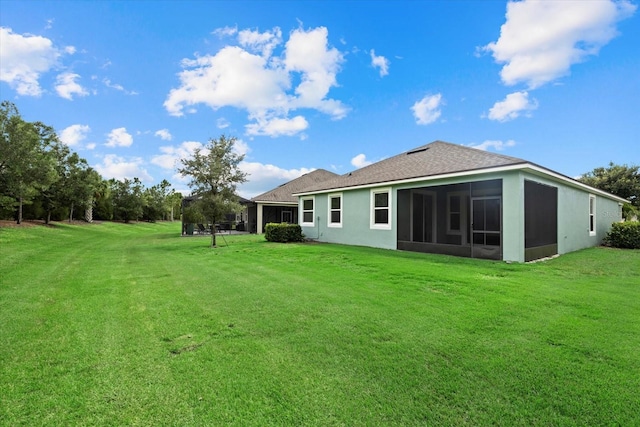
x,y
317,230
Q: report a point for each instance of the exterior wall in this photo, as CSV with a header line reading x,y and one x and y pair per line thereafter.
x,y
356,212
512,217
355,228
573,215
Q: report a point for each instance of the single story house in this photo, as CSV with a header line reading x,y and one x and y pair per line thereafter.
x,y
280,205
452,199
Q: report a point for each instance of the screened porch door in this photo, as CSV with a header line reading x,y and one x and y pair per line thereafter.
x,y
486,227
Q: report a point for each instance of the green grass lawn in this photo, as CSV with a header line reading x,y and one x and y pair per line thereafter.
x,y
114,324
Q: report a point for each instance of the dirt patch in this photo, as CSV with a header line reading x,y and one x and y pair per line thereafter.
x,y
38,222
13,224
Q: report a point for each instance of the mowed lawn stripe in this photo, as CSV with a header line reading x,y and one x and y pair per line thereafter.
x,y
140,326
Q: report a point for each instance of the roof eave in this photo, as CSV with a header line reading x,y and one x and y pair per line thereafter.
x,y
275,203
532,167
525,166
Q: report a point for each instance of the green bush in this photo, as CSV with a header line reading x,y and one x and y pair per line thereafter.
x,y
624,235
283,233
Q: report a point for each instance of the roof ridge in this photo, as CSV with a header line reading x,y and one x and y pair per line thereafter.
x,y
468,147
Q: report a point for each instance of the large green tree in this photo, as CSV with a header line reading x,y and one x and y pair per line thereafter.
x,y
54,197
214,173
175,202
157,201
127,198
27,166
621,180
102,203
75,183
82,183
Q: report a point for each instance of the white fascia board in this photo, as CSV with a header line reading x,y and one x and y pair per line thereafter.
x,y
272,203
538,170
528,167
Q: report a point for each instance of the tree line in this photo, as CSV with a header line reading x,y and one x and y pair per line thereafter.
x,y
42,178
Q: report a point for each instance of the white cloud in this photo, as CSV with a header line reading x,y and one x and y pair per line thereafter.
x,y
91,146
233,77
74,134
263,43
171,155
380,62
360,161
261,83
240,147
70,50
277,126
495,144
225,31
119,87
23,58
66,86
263,177
307,52
164,134
222,123
513,106
427,110
540,40
113,166
119,138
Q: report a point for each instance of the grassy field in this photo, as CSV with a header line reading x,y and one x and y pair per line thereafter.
x,y
114,324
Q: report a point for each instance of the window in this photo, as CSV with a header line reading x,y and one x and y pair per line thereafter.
x,y
381,209
335,210
619,211
592,215
308,212
454,213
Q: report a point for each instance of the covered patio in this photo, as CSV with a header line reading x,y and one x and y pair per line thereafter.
x,y
233,223
456,219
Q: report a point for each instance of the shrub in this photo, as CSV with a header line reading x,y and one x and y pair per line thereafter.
x,y
283,233
624,235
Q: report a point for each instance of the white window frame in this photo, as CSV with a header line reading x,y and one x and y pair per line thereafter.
x,y
330,210
372,213
313,211
592,215
620,212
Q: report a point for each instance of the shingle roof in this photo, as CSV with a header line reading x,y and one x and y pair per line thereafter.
x,y
436,158
283,193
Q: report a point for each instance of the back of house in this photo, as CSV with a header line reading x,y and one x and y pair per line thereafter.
x,y
452,199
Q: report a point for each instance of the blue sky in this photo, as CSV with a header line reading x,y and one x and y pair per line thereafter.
x,y
133,86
